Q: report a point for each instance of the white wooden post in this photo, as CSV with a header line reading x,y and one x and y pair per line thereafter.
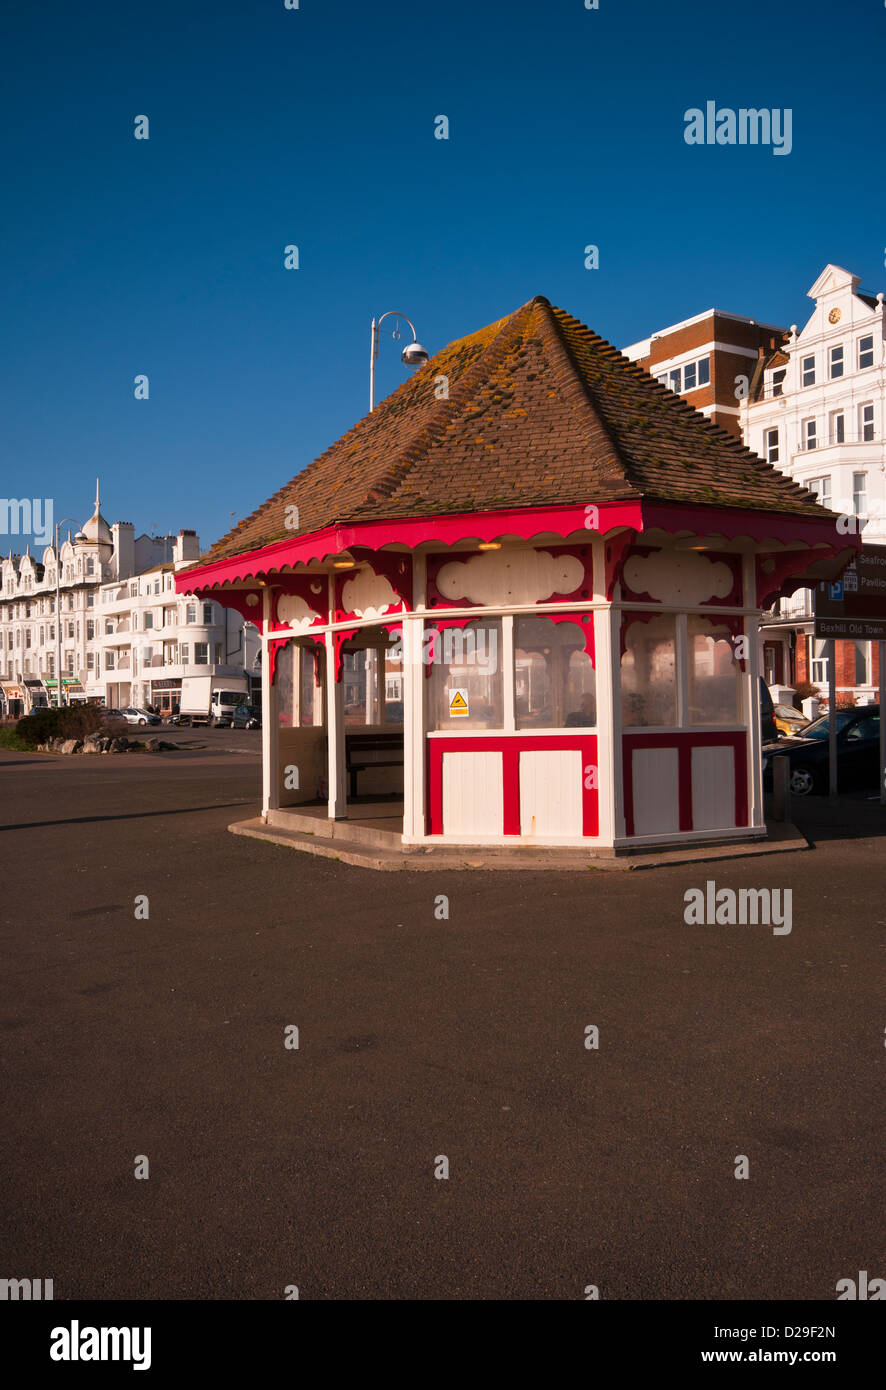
x,y
335,737
610,789
752,690
269,722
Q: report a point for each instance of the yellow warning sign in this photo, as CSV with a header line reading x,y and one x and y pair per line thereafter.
x,y
458,704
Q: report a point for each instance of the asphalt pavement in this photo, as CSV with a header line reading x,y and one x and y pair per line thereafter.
x,y
421,1038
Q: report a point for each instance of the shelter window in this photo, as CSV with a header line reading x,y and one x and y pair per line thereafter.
x,y
649,672
465,687
299,697
554,678
714,678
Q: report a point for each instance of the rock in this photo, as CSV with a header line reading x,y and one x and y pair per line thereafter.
x,y
118,745
71,745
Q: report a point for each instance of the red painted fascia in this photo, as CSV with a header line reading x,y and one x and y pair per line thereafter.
x,y
521,522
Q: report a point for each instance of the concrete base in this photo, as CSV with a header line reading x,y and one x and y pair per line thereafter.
x,y
370,841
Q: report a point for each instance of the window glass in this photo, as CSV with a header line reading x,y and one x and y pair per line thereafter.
x,y
808,366
689,376
554,679
201,653
714,678
867,728
704,371
836,362
865,352
360,679
464,688
311,693
648,672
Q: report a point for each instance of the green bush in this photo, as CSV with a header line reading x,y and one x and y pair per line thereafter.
x,y
10,739
71,721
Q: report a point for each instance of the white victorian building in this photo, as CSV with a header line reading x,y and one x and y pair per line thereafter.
x,y
816,411
126,637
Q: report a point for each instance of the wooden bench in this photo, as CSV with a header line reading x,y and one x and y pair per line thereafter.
x,y
365,751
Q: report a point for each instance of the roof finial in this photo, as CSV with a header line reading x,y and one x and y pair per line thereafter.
x,y
96,494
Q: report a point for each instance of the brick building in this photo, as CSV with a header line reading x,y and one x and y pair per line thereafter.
x,y
710,360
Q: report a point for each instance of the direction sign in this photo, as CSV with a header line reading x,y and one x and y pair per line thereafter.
x,y
855,606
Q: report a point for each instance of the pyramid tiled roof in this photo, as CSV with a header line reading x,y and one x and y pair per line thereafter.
x,y
540,411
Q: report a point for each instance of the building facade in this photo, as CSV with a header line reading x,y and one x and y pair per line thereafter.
x,y
817,412
126,638
710,360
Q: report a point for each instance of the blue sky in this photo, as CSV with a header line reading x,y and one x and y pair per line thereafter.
x,y
315,127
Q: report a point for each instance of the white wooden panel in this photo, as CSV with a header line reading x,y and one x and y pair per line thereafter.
x,y
713,788
473,795
550,792
654,773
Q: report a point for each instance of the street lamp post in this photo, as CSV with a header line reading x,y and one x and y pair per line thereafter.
x,y
58,606
414,355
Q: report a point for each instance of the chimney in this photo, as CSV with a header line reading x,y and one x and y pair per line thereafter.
x,y
186,548
123,556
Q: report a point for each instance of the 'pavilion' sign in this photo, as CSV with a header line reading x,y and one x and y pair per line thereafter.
x,y
855,606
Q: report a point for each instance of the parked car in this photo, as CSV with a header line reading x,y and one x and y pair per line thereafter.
x,y
788,720
111,716
858,753
139,716
246,717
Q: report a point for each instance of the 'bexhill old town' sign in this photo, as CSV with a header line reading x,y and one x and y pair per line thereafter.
x,y
855,606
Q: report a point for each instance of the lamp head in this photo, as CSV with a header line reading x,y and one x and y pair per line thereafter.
x,y
414,355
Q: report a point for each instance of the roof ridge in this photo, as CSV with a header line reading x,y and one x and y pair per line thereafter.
x,y
553,319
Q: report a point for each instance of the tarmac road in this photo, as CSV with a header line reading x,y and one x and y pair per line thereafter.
x,y
420,1038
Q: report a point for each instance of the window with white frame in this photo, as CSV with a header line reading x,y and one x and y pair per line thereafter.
x,y
778,377
133,590
207,614
866,421
836,361
184,653
770,445
866,352
149,620
807,371
837,427
554,678
191,613
649,670
809,435
201,653
819,662
822,489
860,494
